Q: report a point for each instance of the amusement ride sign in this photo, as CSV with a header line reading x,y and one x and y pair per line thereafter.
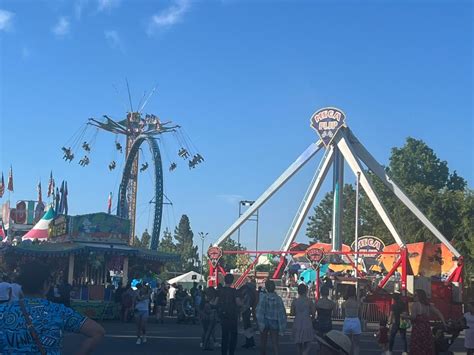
x,y
214,254
315,257
369,243
327,122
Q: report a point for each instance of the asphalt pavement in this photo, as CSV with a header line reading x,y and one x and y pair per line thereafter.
x,y
171,338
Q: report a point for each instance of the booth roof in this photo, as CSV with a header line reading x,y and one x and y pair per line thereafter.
x,y
65,249
187,277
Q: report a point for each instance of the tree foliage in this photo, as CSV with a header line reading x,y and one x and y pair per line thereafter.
x,y
185,245
441,195
229,261
167,244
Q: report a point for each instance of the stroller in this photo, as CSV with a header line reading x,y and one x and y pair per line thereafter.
x,y
442,342
186,311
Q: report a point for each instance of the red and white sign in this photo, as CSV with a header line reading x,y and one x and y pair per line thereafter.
x,y
214,254
315,256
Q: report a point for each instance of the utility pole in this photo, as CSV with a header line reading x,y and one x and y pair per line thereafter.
x,y
203,236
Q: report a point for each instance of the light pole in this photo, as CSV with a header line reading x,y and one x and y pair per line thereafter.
x,y
203,236
248,203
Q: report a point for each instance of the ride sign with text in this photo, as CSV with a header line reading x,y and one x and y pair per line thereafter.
x,y
327,122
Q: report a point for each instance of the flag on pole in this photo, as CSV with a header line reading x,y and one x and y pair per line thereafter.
x,y
51,185
109,203
10,180
40,230
40,197
2,187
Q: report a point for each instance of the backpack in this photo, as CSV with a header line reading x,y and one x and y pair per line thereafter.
x,y
227,304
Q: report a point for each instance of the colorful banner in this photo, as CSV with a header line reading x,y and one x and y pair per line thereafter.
x,y
96,227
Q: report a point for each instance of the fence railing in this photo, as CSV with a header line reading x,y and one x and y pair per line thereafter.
x,y
369,312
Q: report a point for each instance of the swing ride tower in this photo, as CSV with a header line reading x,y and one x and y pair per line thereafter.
x,y
137,128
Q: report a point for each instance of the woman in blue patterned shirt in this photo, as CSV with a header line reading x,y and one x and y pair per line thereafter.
x,y
271,317
34,325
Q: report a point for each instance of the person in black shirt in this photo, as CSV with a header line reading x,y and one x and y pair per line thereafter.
x,y
398,307
228,304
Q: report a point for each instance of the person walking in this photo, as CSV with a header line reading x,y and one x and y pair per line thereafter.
x,y
324,307
351,326
172,296
398,307
142,305
249,298
303,310
271,317
469,332
228,304
208,315
421,341
34,325
160,303
127,303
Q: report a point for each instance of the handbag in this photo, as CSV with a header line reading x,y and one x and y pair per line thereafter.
x,y
31,328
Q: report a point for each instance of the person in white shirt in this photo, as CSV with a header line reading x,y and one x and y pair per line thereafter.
x,y
5,291
172,296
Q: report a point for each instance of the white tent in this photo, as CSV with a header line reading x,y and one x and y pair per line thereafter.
x,y
187,279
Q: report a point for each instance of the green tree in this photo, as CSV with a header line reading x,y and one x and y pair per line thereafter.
x,y
229,261
185,246
416,163
442,196
320,224
167,244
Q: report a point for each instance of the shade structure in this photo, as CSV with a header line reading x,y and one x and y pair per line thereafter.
x,y
40,230
187,278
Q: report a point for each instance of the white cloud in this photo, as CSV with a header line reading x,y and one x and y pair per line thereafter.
x,y
105,5
6,19
169,16
62,27
230,199
113,39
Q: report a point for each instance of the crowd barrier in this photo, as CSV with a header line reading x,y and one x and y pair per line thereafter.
x,y
369,312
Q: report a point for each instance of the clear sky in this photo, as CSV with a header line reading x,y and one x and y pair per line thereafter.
x,y
242,78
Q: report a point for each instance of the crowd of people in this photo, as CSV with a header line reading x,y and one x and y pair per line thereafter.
x,y
261,308
35,313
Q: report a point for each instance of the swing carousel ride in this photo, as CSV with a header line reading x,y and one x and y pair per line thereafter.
x,y
137,128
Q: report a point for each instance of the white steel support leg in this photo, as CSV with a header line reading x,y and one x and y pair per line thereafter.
x,y
378,170
308,199
356,167
287,174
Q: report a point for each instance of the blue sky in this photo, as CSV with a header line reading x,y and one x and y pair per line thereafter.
x,y
242,78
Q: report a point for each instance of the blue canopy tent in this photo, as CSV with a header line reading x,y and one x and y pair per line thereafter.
x,y
309,275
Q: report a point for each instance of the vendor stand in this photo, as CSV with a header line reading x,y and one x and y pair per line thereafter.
x,y
92,253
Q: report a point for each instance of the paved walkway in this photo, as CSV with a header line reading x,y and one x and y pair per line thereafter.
x,y
183,339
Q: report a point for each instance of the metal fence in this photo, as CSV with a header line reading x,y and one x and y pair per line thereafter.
x,y
369,312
